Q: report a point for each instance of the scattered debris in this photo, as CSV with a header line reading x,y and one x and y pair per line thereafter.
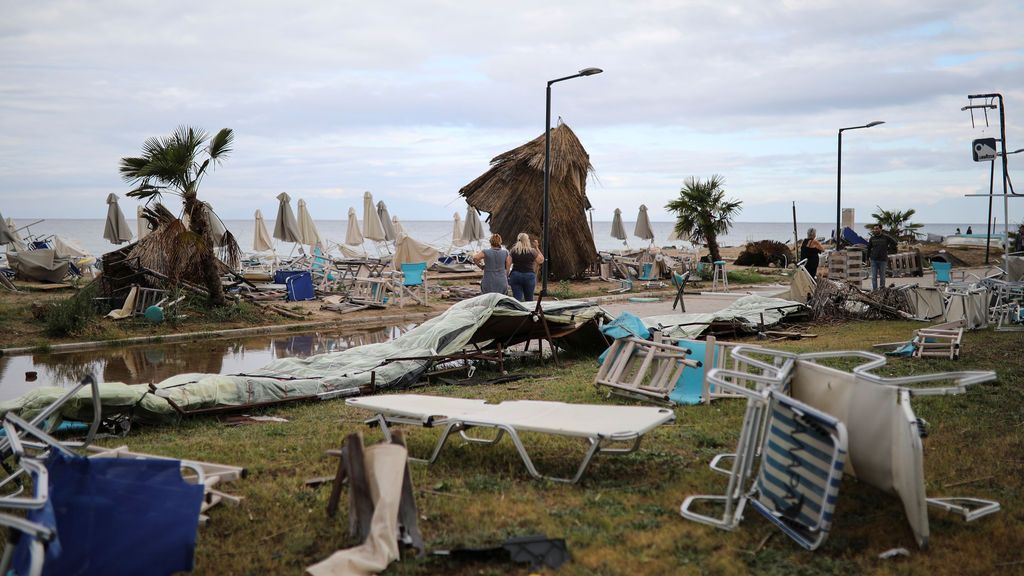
x,y
247,419
893,553
536,550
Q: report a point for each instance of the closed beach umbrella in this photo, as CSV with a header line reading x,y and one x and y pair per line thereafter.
x,y
457,239
353,237
673,235
474,230
397,226
308,234
618,230
7,234
286,229
116,228
372,228
217,229
643,225
385,222
261,241
141,225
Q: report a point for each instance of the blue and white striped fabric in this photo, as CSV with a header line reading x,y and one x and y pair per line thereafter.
x,y
801,469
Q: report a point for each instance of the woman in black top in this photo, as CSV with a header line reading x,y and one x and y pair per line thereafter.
x,y
522,279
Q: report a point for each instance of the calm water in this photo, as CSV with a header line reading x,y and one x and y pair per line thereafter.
x,y
153,363
89,233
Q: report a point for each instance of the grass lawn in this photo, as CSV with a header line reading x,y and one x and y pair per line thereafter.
x,y
623,518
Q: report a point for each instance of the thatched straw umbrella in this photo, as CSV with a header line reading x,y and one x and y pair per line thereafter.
x,y
643,229
474,230
512,192
618,230
372,228
353,237
175,251
116,227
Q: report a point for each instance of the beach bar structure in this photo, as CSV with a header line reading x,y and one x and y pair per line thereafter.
x,y
511,191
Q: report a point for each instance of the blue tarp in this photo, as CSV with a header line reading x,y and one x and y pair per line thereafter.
x,y
852,237
624,326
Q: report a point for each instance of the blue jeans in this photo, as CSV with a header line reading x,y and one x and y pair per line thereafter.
x,y
522,284
878,274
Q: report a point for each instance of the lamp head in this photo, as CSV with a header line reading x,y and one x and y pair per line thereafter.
x,y
875,123
590,71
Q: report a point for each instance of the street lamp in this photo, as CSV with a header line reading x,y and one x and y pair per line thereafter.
x,y
839,177
547,171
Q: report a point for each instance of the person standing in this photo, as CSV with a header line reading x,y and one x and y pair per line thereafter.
x,y
957,230
969,231
810,248
496,262
879,246
522,278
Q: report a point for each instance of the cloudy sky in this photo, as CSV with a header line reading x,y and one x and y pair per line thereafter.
x,y
411,99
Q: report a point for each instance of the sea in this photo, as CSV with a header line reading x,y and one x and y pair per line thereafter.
x,y
88,233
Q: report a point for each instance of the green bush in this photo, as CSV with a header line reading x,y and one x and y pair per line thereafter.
x,y
69,316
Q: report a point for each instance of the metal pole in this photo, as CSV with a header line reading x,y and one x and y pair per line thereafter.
x,y
1006,199
796,235
839,189
547,191
988,222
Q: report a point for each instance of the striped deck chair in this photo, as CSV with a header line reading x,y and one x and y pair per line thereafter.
x,y
801,470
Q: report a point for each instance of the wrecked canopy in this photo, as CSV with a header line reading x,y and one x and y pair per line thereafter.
x,y
747,313
486,321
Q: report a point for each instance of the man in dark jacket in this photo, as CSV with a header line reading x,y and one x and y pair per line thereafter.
x,y
879,246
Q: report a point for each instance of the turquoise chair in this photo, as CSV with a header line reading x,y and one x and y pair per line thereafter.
x,y
943,272
414,280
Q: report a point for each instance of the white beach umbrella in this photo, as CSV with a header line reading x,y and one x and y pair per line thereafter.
x,y
673,235
217,229
618,230
385,222
398,228
353,237
116,227
474,229
261,241
308,234
408,251
7,233
457,239
286,228
141,224
643,225
372,228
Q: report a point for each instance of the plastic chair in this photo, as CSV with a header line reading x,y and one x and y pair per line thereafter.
x,y
942,272
649,277
414,280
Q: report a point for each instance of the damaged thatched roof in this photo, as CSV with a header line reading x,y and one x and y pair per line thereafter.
x,y
173,250
512,192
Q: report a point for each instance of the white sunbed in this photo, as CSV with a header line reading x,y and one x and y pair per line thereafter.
x,y
601,426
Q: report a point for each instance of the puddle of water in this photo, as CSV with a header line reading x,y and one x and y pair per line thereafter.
x,y
155,362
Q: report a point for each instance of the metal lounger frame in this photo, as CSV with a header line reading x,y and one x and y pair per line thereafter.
x,y
597,444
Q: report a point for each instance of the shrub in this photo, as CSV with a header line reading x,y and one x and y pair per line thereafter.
x,y
69,316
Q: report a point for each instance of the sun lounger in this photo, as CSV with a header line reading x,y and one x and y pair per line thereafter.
x,y
601,426
883,434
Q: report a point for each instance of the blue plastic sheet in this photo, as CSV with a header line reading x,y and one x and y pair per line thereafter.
x,y
624,326
852,237
116,516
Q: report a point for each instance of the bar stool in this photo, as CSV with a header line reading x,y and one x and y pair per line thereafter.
x,y
719,278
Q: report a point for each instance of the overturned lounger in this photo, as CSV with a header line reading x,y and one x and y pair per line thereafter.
x,y
600,425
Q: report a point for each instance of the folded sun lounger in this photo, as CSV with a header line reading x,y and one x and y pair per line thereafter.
x,y
601,426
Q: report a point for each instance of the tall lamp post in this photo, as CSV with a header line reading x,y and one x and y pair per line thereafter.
x,y
547,171
839,177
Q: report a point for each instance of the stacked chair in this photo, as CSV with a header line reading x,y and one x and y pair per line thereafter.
x,y
808,423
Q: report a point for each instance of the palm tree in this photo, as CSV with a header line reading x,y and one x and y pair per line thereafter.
x,y
702,212
896,223
176,164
